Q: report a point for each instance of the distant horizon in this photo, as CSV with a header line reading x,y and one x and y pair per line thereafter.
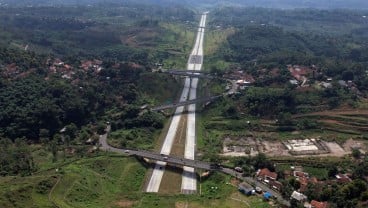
x,y
277,4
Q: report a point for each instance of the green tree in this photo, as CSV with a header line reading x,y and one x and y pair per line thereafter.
x,y
44,133
356,153
101,128
332,171
16,158
71,130
54,150
294,183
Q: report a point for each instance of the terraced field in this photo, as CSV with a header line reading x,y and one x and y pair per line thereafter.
x,y
352,122
111,181
93,182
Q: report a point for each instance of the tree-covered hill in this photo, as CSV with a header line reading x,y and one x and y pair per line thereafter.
x,y
108,31
271,38
34,98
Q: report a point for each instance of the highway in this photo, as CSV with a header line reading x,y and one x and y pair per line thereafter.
x,y
189,179
158,171
189,90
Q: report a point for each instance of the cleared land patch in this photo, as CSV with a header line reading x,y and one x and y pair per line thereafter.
x,y
243,146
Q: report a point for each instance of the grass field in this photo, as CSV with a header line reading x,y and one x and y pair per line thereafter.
x,y
180,35
94,182
215,192
110,181
98,182
321,173
213,40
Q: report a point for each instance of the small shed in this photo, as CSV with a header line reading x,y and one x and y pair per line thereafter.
x,y
246,189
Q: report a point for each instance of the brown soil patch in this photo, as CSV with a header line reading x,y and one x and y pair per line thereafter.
x,y
125,203
338,124
139,37
295,132
336,112
352,144
181,204
330,121
180,137
234,181
172,176
335,149
274,149
130,41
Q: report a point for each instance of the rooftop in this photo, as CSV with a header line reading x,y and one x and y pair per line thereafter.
x,y
267,195
342,178
298,196
317,204
266,173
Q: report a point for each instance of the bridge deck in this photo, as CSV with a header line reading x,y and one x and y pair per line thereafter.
x,y
174,105
184,71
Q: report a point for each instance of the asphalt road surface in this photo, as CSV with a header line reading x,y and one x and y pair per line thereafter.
x,y
189,180
158,171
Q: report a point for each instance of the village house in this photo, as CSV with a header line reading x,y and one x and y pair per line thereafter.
x,y
305,181
317,204
342,178
300,174
266,175
275,185
94,65
298,196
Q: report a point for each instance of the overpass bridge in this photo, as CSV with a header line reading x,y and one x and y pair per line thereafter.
x,y
192,74
183,71
188,102
163,160
196,74
180,161
156,156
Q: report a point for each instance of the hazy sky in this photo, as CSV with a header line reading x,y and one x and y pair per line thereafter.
x,y
286,4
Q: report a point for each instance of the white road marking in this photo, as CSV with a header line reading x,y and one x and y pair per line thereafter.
x,y
189,181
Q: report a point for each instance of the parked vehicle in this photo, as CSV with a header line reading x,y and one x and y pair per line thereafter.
x,y
238,169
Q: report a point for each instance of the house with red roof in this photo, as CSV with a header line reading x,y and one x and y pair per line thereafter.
x,y
266,175
317,204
